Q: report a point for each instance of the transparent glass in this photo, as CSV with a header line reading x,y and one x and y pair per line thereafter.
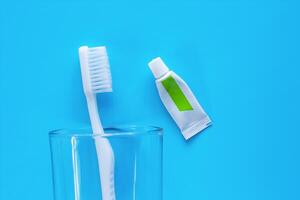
x,y
138,163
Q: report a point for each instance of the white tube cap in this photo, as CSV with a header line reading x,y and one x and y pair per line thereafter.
x,y
158,67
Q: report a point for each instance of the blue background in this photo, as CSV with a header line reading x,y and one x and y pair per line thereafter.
x,y
241,59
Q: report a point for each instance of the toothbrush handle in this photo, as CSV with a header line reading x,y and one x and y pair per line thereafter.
x,y
106,167
104,151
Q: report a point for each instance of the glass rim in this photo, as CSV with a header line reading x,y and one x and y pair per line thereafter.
x,y
111,131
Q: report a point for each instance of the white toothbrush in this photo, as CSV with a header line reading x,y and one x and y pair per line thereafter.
x,y
96,78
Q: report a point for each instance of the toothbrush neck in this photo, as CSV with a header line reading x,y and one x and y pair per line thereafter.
x,y
93,113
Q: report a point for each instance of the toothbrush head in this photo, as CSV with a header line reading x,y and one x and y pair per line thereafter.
x,y
95,70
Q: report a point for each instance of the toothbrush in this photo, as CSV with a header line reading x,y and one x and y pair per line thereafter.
x,y
96,78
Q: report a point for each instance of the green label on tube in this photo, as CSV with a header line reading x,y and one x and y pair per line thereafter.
x,y
176,94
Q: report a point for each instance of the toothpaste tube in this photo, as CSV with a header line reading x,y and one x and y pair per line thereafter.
x,y
179,100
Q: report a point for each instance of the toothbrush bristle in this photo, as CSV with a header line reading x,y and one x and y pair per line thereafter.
x,y
99,70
